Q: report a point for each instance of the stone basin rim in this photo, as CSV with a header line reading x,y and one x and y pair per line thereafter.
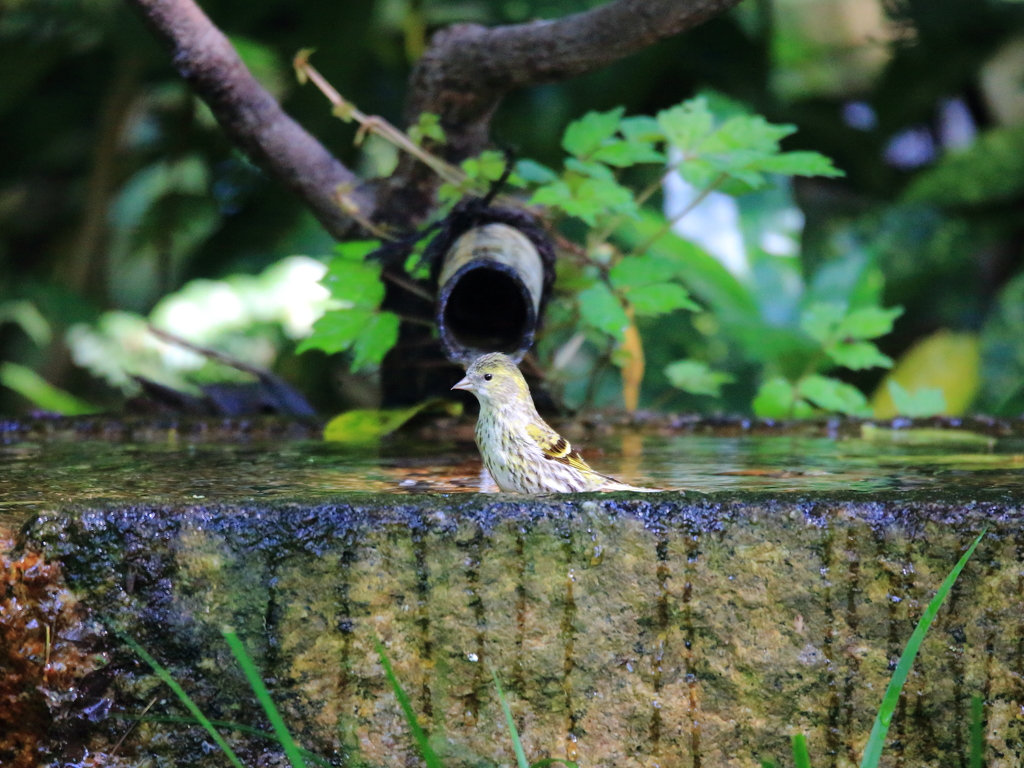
x,y
150,429
301,524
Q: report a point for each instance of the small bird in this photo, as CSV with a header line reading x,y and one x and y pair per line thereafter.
x,y
521,452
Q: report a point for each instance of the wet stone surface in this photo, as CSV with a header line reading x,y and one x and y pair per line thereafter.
x,y
671,630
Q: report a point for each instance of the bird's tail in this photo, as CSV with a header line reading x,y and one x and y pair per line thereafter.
x,y
615,485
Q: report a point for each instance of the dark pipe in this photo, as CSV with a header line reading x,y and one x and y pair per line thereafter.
x,y
490,285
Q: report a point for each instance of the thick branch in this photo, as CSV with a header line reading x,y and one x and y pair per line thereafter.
x,y
249,115
469,68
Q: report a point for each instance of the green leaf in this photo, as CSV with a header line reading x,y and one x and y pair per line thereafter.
x,y
25,315
695,377
366,425
868,322
590,168
653,300
487,166
858,355
534,172
922,403
750,134
375,340
699,172
356,282
600,309
641,128
588,200
557,194
585,135
337,330
355,250
622,154
799,164
891,697
775,399
990,170
834,395
821,320
688,124
634,271
608,194
41,393
428,126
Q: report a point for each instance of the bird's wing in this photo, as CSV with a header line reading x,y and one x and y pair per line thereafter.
x,y
556,447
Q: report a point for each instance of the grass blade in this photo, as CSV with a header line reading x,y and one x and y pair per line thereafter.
x,y
801,757
977,759
252,674
426,751
767,764
312,757
185,699
552,760
876,741
517,745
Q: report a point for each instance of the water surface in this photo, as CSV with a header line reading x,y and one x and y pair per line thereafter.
x,y
39,475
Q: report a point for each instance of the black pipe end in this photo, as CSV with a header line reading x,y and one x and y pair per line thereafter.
x,y
486,307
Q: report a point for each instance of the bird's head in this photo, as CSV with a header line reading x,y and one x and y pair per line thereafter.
x,y
495,380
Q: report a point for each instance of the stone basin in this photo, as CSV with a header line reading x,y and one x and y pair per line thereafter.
x,y
675,629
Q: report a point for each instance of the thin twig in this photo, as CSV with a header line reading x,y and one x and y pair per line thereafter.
x,y
132,726
596,372
667,226
642,198
206,352
408,285
348,204
348,111
415,320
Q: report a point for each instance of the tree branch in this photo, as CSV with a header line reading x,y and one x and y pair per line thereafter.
x,y
469,68
250,116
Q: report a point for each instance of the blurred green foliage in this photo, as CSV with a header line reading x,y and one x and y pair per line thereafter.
x,y
119,197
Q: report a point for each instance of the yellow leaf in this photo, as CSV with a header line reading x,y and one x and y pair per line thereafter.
x,y
945,360
631,352
366,425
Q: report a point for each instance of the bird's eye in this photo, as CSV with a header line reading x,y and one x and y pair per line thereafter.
x,y
488,376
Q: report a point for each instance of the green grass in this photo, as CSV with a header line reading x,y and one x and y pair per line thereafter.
x,y
891,697
229,725
185,699
263,696
422,742
801,757
426,751
977,757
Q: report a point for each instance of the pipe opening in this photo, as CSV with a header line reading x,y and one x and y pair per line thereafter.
x,y
488,309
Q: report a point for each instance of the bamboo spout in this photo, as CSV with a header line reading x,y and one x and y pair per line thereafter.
x,y
491,284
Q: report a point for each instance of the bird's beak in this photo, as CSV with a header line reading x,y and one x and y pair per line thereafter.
x,y
464,383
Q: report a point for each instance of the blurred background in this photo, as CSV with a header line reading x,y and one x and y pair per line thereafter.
x,y
121,202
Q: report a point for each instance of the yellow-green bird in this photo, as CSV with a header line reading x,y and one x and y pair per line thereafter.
x,y
521,452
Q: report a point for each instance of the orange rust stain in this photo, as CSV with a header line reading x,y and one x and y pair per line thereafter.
x,y
38,664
